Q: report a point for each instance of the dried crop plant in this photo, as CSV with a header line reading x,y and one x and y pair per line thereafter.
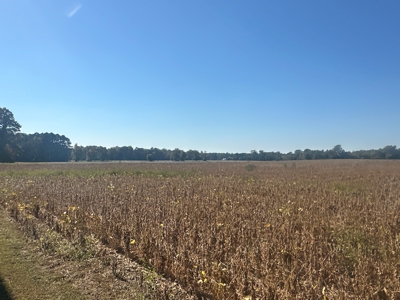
x,y
321,230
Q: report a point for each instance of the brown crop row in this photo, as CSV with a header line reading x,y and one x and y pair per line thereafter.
x,y
304,230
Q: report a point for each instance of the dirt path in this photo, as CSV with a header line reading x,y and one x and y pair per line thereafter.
x,y
21,273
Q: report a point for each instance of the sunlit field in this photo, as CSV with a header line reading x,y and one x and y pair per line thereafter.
x,y
227,230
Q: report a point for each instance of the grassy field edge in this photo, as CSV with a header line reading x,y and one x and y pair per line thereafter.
x,y
21,274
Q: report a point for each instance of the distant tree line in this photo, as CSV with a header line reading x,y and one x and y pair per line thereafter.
x,y
91,153
50,147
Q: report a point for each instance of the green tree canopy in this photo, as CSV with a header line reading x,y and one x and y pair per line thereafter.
x,y
8,128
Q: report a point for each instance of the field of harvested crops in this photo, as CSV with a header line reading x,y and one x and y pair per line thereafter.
x,y
270,230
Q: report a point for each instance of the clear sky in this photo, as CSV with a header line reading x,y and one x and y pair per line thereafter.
x,y
211,75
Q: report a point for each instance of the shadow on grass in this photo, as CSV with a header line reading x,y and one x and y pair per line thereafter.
x,y
4,295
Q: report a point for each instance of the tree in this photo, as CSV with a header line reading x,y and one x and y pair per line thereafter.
x,y
44,147
308,154
178,154
54,147
193,155
298,154
78,153
254,155
8,128
96,153
337,152
391,152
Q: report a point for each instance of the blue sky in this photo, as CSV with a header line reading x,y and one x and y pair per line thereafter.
x,y
220,75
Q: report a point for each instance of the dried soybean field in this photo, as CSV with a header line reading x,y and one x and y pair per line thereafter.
x,y
230,230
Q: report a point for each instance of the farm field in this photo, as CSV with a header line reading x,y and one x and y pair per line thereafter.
x,y
229,230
